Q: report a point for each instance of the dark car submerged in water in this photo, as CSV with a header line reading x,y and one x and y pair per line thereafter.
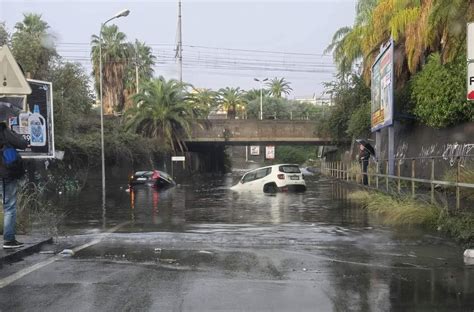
x,y
153,178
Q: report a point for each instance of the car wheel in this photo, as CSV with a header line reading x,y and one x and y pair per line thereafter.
x,y
270,188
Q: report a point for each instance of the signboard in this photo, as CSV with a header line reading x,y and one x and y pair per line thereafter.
x,y
470,41
382,89
270,152
470,61
255,150
33,119
12,80
178,158
470,81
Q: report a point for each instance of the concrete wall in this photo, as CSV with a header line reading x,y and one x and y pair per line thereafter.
x,y
447,146
246,132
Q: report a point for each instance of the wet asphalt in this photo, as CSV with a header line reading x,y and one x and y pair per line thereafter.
x,y
202,247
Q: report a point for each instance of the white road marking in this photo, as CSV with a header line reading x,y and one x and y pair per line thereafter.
x,y
16,276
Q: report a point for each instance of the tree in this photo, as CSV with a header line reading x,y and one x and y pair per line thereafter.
x,y
72,95
33,46
447,31
115,60
349,93
203,101
231,99
139,69
161,110
277,87
254,94
417,27
4,35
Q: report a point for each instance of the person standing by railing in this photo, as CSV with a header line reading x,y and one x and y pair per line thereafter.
x,y
364,156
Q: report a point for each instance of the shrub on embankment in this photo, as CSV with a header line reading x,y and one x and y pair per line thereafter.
x,y
408,212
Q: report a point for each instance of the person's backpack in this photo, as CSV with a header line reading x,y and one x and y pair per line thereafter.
x,y
13,162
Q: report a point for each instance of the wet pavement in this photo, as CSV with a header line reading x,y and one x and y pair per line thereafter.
x,y
202,247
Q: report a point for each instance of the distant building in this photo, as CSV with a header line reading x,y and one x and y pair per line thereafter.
x,y
316,101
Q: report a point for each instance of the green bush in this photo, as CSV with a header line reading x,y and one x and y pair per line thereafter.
x,y
439,93
359,122
294,154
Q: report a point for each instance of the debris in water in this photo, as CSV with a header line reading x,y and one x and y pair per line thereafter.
x,y
469,253
67,253
205,252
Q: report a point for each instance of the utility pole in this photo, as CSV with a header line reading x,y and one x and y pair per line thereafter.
x,y
179,47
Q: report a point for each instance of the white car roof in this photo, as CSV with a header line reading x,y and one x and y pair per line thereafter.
x,y
272,166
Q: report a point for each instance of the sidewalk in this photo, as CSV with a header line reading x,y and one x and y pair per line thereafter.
x,y
32,244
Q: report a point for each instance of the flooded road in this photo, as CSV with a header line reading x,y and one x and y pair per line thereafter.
x,y
208,200
201,247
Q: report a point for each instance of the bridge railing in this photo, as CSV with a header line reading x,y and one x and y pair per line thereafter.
x,y
414,176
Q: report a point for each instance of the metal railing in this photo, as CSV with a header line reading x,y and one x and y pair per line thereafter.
x,y
378,177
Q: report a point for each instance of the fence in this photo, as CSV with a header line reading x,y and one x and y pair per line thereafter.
x,y
432,172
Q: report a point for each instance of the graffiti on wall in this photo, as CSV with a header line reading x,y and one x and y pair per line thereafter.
x,y
402,152
461,152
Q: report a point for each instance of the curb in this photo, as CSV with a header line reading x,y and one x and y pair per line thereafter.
x,y
18,254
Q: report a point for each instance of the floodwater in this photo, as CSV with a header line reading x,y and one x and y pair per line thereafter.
x,y
362,265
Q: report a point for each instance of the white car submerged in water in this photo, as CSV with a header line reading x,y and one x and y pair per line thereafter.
x,y
271,179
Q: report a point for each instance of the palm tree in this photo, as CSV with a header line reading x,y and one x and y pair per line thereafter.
x,y
203,101
277,87
230,99
33,46
447,20
419,27
161,110
139,69
254,94
346,49
115,59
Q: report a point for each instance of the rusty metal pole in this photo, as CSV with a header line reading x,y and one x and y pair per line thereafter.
x,y
377,171
432,179
458,193
413,176
348,176
368,174
398,174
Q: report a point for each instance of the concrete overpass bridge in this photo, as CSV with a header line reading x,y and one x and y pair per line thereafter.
x,y
257,132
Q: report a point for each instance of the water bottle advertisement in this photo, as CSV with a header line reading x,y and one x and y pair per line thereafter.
x,y
35,121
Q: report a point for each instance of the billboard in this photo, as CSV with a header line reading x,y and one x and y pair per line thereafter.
x,y
382,83
35,120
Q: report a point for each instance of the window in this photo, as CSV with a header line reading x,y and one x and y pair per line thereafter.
x,y
249,177
290,169
263,173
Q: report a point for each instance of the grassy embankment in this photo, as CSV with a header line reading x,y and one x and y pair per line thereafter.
x,y
407,212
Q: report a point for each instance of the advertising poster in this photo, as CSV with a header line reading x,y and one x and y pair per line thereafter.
x,y
35,120
255,150
382,83
270,152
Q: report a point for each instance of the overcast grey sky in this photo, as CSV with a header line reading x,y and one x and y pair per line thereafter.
x,y
226,43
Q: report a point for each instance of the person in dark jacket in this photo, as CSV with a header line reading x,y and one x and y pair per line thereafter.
x,y
364,156
9,185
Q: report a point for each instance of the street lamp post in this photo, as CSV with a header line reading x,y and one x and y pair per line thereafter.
x,y
261,95
122,13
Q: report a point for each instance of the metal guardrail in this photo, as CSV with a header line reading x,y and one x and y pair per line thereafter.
x,y
344,170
